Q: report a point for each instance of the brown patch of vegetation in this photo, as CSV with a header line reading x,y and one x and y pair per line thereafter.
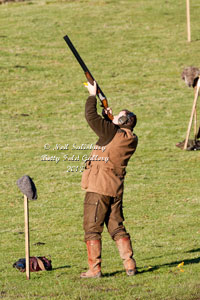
x,y
5,1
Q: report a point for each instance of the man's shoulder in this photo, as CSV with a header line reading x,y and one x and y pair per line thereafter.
x,y
127,133
127,137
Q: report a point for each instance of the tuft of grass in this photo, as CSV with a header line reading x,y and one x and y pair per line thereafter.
x,y
136,50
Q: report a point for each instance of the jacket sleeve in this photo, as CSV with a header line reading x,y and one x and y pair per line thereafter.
x,y
103,128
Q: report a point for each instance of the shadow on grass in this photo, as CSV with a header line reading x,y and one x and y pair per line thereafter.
x,y
62,267
189,251
193,250
112,274
172,264
151,269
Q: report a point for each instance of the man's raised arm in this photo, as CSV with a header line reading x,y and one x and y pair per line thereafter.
x,y
103,128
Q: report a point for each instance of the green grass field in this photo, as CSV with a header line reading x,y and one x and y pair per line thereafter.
x,y
136,50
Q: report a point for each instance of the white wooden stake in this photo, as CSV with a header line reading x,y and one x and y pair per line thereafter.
x,y
188,20
27,246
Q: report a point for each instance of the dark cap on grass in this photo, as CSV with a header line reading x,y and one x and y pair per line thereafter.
x,y
27,187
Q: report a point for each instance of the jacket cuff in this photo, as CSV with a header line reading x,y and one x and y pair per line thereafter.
x,y
92,97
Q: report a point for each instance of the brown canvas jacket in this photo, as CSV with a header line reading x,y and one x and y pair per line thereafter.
x,y
106,167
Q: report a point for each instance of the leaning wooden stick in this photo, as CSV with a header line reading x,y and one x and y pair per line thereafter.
x,y
27,244
192,114
195,124
188,20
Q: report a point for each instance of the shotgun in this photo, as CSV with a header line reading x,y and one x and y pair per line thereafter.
x,y
88,75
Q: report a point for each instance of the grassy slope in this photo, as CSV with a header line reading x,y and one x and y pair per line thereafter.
x,y
140,48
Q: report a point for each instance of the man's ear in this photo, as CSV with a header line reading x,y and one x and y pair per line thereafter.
x,y
122,120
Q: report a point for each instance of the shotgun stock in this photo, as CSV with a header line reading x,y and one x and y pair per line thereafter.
x,y
88,75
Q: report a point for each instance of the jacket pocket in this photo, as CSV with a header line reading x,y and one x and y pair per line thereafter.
x,y
90,177
91,209
85,178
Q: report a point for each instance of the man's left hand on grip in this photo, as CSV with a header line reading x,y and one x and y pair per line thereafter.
x,y
92,89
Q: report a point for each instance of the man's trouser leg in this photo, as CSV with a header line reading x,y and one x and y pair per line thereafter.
x,y
94,215
119,234
97,210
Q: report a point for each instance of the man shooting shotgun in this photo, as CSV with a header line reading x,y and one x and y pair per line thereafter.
x,y
103,181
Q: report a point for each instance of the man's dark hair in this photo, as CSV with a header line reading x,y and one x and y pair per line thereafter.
x,y
131,118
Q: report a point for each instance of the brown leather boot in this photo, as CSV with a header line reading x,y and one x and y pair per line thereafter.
x,y
94,259
126,252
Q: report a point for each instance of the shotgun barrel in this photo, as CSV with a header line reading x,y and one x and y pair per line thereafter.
x,y
88,74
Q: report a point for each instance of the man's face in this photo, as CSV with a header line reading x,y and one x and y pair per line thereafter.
x,y
116,118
